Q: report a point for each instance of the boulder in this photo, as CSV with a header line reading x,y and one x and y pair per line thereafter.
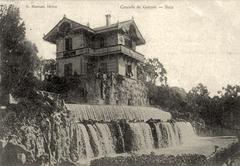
x,y
14,155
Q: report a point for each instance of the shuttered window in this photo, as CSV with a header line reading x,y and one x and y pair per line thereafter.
x,y
67,69
68,44
129,70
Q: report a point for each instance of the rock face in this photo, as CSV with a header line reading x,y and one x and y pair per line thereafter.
x,y
116,89
14,154
36,132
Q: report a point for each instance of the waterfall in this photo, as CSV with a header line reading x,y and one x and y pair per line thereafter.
x,y
172,134
80,142
186,132
108,113
159,136
142,136
106,138
105,130
95,140
103,139
84,141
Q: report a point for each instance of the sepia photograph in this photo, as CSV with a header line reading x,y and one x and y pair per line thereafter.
x,y
119,83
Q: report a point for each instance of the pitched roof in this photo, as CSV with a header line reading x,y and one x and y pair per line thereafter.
x,y
115,25
75,25
124,26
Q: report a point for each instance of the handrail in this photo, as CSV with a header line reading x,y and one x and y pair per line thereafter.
x,y
111,49
122,49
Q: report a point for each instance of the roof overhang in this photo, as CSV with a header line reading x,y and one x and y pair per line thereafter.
x,y
125,27
52,35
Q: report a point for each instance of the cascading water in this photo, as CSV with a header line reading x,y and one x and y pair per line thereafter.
x,y
103,139
142,136
83,144
172,134
106,138
95,140
103,133
108,113
186,132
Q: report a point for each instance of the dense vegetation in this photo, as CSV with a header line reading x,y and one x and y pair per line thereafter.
x,y
221,110
222,156
19,57
153,160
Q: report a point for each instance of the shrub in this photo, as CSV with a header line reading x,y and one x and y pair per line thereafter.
x,y
153,160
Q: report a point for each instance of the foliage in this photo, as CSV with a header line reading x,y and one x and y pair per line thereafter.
x,y
152,69
31,122
46,69
60,85
196,105
172,99
152,159
223,154
222,110
199,100
29,111
18,56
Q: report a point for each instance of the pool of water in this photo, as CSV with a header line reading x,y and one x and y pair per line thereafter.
x,y
199,145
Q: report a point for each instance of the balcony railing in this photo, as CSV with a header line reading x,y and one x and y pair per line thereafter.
x,y
117,49
104,51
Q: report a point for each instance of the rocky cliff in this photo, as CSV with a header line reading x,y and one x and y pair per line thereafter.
x,y
116,89
35,132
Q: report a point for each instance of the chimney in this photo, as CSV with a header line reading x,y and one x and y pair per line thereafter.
x,y
108,18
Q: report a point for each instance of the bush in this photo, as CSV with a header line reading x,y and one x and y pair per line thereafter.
x,y
153,160
223,154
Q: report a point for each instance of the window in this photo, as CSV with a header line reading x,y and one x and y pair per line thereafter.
x,y
103,68
65,27
67,69
128,43
101,42
129,71
68,44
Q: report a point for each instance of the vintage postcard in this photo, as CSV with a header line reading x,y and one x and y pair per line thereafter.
x,y
119,83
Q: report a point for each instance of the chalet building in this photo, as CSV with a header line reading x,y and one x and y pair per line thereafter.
x,y
109,52
108,49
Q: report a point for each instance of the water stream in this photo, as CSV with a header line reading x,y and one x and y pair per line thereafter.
x,y
103,139
104,130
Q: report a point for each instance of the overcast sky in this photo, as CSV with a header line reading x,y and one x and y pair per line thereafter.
x,y
196,41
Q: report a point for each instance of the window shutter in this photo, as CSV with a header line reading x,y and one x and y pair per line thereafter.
x,y
70,69
65,69
70,43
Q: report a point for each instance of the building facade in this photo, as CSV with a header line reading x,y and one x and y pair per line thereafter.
x,y
109,49
109,53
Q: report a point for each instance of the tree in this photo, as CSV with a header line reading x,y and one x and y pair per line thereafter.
x,y
200,102
18,56
152,69
230,104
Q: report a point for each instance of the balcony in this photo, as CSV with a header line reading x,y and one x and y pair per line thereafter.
x,y
102,51
72,53
117,49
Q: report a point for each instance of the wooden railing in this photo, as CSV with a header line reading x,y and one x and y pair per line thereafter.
x,y
118,49
103,51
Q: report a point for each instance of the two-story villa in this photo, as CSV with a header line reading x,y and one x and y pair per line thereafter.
x,y
110,48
